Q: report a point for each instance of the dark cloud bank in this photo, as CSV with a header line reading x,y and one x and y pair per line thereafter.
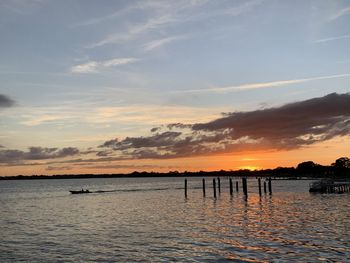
x,y
36,153
291,126
6,102
287,127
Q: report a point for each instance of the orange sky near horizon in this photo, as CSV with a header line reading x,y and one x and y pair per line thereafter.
x,y
323,153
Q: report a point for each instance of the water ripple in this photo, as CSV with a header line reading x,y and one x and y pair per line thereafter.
x,y
149,220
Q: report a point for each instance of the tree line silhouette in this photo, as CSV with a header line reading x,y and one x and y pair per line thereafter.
x,y
339,169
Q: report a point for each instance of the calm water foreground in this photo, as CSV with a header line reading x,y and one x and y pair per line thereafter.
x,y
149,220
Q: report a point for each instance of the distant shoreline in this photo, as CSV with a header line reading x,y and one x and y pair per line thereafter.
x,y
239,173
339,170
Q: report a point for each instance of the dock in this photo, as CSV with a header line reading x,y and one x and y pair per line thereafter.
x,y
329,187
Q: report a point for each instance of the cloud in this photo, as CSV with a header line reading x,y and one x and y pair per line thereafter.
x,y
261,85
124,166
161,42
97,20
143,5
87,161
118,62
149,114
89,67
155,129
109,143
287,127
42,119
167,14
58,168
158,140
323,40
291,125
36,153
340,13
178,125
140,115
135,30
6,102
96,66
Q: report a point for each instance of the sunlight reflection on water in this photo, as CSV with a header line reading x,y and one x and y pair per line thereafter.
x,y
41,221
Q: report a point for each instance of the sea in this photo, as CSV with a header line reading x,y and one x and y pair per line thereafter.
x,y
151,220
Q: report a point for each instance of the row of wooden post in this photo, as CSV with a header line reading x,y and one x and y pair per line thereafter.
x,y
340,188
244,186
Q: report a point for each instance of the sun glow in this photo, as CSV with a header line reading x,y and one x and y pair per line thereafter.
x,y
249,167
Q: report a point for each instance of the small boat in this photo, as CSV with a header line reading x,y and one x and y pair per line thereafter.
x,y
320,186
82,191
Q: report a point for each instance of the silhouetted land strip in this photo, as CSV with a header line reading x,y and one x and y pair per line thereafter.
x,y
275,174
240,173
340,169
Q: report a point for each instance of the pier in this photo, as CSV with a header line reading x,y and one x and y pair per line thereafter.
x,y
329,187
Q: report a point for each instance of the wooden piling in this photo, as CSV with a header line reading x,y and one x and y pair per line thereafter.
x,y
203,183
264,187
270,186
231,187
214,188
237,188
219,185
244,185
259,184
186,188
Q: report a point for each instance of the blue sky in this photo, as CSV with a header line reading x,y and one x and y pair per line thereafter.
x,y
83,72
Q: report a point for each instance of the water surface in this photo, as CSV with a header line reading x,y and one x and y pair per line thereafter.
x,y
150,220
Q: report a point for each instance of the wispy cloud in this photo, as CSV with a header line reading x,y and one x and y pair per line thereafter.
x,y
340,13
97,20
143,115
118,62
58,168
161,42
149,114
43,119
331,39
124,166
233,11
171,13
261,85
89,67
143,5
96,66
134,31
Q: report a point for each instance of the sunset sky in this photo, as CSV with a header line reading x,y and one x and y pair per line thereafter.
x,y
117,86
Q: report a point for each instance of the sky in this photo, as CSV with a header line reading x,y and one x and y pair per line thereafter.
x,y
92,86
